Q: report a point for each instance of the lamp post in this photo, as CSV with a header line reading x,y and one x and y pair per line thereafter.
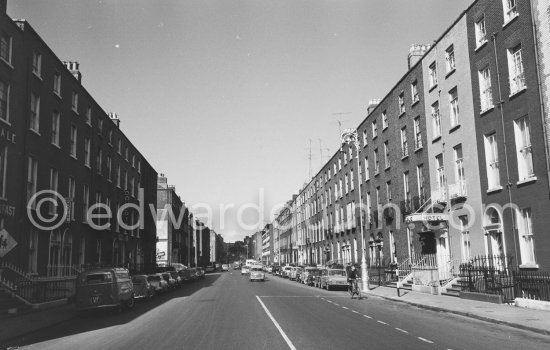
x,y
349,136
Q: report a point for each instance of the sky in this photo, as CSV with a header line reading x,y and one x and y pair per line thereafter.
x,y
225,97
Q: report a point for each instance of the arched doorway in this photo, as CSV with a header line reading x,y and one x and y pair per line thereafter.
x,y
493,227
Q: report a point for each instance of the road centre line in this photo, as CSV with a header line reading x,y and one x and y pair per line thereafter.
x,y
285,337
425,340
354,311
382,322
343,307
367,316
401,330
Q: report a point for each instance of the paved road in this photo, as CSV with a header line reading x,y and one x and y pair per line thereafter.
x,y
225,311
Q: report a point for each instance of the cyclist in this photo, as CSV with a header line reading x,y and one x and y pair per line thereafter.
x,y
352,281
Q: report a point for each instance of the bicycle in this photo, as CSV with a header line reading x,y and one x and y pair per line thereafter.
x,y
353,288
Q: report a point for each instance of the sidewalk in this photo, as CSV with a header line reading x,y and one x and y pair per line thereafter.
x,y
15,326
533,320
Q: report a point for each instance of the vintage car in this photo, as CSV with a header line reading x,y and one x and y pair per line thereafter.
x,y
333,278
308,275
185,275
298,274
199,272
104,288
245,270
175,275
158,283
225,267
142,287
256,273
169,279
285,271
210,268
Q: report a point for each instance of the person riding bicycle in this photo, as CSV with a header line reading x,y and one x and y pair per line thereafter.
x,y
352,278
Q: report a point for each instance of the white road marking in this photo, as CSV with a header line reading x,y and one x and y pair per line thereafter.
x,y
343,307
354,311
367,316
382,322
426,340
336,304
288,341
401,330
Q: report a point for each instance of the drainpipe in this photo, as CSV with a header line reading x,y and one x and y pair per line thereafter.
x,y
508,183
543,112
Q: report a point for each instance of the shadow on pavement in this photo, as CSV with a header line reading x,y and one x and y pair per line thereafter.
x,y
80,322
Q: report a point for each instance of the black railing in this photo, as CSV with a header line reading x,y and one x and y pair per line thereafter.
x,y
531,284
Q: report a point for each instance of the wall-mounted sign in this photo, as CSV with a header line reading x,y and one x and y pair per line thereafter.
x,y
426,217
7,243
7,210
8,135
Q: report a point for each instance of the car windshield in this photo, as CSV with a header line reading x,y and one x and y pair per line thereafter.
x,y
256,268
102,277
337,273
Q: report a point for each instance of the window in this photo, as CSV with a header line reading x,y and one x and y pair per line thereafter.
x,y
365,137
523,148
351,185
134,163
404,144
72,195
340,192
125,179
525,232
74,102
131,185
335,192
433,75
55,128
401,103
414,92
384,120
54,181
99,159
57,83
5,47
367,176
87,146
460,177
31,177
436,118
35,112
85,202
374,129
466,251
491,160
485,90
388,191
406,189
110,136
420,181
3,169
440,168
346,180
126,154
4,101
510,10
417,134
89,115
139,167
118,175
73,141
119,146
109,168
481,32
515,70
37,63
453,105
386,155
376,162
100,126
450,58
339,164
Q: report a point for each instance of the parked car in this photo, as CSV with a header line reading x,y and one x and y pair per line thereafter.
x,y
275,270
168,278
225,267
285,271
175,275
199,272
142,287
236,265
158,283
178,266
210,268
308,275
333,278
256,273
245,270
217,266
104,288
269,269
185,275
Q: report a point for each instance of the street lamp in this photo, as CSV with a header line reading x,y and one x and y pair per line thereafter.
x,y
349,136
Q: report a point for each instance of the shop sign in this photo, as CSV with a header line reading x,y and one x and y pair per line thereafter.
x,y
422,217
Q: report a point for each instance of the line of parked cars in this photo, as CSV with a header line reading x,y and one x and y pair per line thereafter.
x,y
320,277
117,288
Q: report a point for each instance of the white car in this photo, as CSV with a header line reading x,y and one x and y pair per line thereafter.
x,y
225,267
245,270
257,273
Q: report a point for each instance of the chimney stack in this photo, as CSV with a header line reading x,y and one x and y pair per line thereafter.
x,y
114,119
415,53
372,105
73,68
162,181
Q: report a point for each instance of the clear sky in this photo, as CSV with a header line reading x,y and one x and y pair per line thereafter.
x,y
224,96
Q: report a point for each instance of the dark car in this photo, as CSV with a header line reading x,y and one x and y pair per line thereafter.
x,y
104,288
156,282
142,287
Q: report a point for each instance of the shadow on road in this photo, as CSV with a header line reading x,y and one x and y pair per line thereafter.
x,y
99,319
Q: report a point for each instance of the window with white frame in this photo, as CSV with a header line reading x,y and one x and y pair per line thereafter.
x,y
3,169
485,89
393,250
460,177
37,63
436,120
406,189
57,83
100,126
414,92
89,115
515,70
365,143
110,137
335,192
404,143
466,246
99,160
433,74
376,162
401,103
453,106
417,134
87,148
450,58
420,181
526,239
5,47
340,189
351,182
384,120
55,128
109,168
4,101
367,175
523,148
346,181
32,171
34,121
73,141
440,169
481,32
74,102
510,10
374,129
491,161
339,164
386,155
